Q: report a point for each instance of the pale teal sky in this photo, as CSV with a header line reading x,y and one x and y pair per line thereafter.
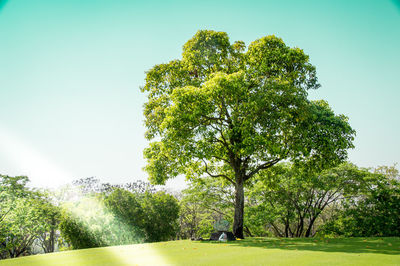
x,y
70,72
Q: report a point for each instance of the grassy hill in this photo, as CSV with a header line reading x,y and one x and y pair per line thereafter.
x,y
251,251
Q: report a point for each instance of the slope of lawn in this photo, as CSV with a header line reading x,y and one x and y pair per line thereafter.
x,y
251,251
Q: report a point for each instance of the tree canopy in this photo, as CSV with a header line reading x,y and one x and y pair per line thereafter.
x,y
295,198
228,111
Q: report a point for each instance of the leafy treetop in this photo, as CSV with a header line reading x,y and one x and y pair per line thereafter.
x,y
231,112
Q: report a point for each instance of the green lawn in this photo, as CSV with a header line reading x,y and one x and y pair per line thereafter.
x,y
251,251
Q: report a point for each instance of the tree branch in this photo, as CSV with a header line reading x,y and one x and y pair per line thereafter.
x,y
224,176
220,158
278,232
220,212
219,120
262,167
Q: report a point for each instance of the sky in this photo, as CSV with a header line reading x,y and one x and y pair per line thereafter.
x,y
71,72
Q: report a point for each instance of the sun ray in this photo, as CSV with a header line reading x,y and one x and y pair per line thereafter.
x,y
41,171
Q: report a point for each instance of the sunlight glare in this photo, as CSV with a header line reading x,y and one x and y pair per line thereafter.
x,y
40,170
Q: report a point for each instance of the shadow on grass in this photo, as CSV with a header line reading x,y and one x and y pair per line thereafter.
x,y
385,245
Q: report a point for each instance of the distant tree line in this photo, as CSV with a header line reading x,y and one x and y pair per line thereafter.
x,y
287,200
292,201
85,214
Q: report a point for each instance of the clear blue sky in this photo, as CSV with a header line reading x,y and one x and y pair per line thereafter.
x,y
70,72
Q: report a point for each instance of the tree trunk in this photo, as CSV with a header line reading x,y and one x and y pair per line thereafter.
x,y
52,241
247,230
239,208
287,225
286,230
300,227
277,231
308,232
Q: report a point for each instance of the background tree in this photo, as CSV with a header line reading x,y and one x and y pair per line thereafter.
x,y
119,217
91,185
286,200
76,231
26,220
289,199
126,207
161,212
19,229
89,223
50,219
375,212
190,217
203,203
226,112
11,188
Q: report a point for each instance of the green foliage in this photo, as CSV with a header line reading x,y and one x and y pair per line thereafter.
x,y
25,216
220,104
11,188
118,218
155,214
289,199
202,204
209,200
376,212
161,212
125,205
195,220
75,232
92,222
50,216
226,112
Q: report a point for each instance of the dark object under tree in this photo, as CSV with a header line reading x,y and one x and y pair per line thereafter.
x,y
215,236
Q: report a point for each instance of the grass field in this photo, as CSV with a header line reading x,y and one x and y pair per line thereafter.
x,y
251,251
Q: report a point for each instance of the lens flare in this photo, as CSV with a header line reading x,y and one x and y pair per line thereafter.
x,y
107,229
89,211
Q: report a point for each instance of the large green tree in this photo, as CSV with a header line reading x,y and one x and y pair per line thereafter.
x,y
228,111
